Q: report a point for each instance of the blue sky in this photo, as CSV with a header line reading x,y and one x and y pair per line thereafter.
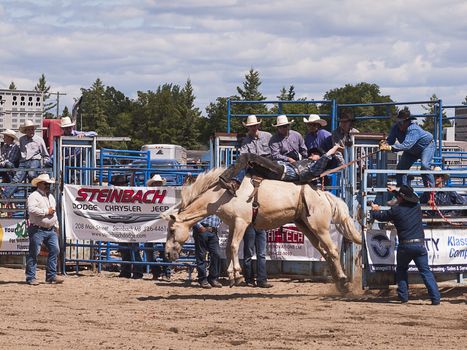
x,y
411,49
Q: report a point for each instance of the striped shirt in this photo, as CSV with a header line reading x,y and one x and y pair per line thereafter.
x,y
10,152
209,221
414,140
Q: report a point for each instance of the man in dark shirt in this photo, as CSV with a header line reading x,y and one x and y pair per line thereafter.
x,y
407,218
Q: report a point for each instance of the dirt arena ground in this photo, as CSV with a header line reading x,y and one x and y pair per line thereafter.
x,y
101,311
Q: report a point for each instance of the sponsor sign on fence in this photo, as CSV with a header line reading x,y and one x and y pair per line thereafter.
x,y
13,237
117,214
447,250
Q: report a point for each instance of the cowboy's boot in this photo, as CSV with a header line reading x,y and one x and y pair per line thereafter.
x,y
267,168
226,179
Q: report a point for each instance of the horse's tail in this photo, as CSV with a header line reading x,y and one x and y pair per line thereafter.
x,y
342,219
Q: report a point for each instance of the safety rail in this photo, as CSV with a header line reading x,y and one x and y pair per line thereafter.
x,y
439,230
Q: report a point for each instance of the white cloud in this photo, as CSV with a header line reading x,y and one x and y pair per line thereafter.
x,y
411,49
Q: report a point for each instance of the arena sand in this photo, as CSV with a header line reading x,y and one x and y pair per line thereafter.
x,y
101,311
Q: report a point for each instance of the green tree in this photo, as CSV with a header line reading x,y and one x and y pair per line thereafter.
x,y
216,119
12,86
65,112
44,89
363,93
290,109
429,121
93,109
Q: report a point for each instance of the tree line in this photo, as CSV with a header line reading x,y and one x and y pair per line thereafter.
x,y
169,115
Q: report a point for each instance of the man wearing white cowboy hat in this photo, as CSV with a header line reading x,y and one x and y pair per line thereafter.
x,y
316,136
33,154
43,223
155,181
9,154
287,145
256,142
68,129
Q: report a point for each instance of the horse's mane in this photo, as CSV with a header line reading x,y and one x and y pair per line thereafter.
x,y
202,183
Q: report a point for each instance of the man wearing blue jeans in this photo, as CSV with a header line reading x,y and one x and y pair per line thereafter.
x,y
254,242
415,143
207,241
407,218
43,223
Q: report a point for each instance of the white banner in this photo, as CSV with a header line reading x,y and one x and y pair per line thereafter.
x,y
447,250
117,214
13,237
285,243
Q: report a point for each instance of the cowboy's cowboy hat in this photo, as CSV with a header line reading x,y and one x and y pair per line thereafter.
x,y
315,119
42,178
11,133
154,179
407,194
445,176
404,115
251,120
282,120
346,117
66,122
27,123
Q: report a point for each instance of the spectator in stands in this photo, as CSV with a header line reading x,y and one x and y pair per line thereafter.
x,y
317,137
442,197
43,224
129,251
407,218
287,145
9,154
342,136
207,241
158,272
33,155
68,129
415,143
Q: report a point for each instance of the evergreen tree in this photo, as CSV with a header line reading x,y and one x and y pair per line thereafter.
x,y
43,88
429,122
249,92
65,112
12,86
93,109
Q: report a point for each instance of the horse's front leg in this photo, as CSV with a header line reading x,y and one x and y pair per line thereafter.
x,y
237,231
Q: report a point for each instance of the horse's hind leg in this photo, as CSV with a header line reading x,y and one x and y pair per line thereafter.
x,y
332,257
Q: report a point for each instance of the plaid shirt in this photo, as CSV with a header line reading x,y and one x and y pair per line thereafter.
x,y
10,153
209,221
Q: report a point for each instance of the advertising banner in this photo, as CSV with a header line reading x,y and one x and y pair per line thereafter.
x,y
117,214
13,237
447,250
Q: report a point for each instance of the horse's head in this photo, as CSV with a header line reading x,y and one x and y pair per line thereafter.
x,y
177,234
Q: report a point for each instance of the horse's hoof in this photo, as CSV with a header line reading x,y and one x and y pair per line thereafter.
x,y
231,283
342,285
239,281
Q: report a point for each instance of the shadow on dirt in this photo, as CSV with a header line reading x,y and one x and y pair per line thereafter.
x,y
222,296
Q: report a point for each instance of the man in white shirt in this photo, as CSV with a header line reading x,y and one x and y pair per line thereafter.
x,y
43,224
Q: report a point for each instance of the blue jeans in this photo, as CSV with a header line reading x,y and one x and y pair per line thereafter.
x,y
131,254
416,252
254,241
157,270
207,242
408,159
37,236
21,175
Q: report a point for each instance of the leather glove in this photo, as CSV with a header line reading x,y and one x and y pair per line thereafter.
x,y
384,146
